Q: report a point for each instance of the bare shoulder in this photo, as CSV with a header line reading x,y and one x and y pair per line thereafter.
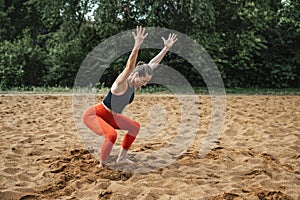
x,y
119,88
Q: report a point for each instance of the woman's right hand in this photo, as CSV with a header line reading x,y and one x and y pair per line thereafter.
x,y
170,41
139,36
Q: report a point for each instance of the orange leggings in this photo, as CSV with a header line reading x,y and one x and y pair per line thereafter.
x,y
104,123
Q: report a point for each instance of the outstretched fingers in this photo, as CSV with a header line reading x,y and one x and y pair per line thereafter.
x,y
173,36
137,29
144,34
170,41
133,33
140,32
139,35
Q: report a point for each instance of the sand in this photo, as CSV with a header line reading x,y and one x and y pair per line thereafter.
x,y
257,155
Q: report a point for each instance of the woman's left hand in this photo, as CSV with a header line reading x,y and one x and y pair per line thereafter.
x,y
170,41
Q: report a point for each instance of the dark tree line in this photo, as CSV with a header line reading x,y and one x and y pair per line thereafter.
x,y
253,43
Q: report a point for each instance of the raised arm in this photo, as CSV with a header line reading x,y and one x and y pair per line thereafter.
x,y
139,37
168,44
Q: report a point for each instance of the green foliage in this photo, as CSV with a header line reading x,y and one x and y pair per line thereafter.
x,y
21,62
289,15
282,60
254,43
258,53
65,59
11,67
16,16
183,16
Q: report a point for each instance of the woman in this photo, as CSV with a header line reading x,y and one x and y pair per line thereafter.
x,y
104,118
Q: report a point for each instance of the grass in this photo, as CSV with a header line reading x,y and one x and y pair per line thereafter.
x,y
264,91
232,91
156,90
37,90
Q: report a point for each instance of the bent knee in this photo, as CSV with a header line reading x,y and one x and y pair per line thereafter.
x,y
136,127
112,136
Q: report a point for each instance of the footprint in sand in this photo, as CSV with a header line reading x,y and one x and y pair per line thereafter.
x,y
11,171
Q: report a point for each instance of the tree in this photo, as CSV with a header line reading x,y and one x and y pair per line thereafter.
x,y
17,16
67,39
282,61
21,63
253,43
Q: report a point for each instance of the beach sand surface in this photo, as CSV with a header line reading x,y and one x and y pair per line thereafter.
x,y
44,152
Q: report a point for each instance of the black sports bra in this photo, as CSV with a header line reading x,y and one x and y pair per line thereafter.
x,y
117,103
